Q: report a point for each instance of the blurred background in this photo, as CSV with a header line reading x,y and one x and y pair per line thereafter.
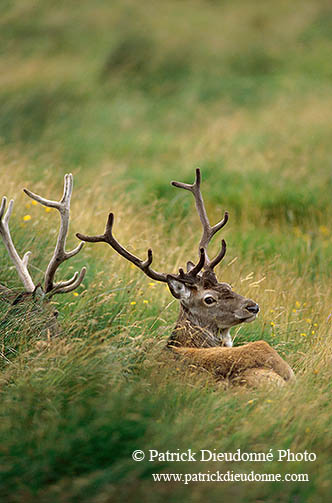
x,y
241,89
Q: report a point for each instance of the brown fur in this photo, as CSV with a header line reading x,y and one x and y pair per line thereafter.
x,y
242,364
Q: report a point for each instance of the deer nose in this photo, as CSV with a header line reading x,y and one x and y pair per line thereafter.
x,y
253,308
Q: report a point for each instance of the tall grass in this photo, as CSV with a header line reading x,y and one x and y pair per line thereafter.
x,y
127,97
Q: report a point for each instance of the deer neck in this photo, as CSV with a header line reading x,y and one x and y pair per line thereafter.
x,y
191,331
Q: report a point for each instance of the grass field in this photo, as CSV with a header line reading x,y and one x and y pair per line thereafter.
x,y
127,96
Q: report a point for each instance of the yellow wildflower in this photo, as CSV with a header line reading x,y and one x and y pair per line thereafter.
x,y
308,320
272,324
152,284
76,294
133,303
26,218
47,209
303,334
297,304
324,230
313,332
269,401
34,203
145,301
315,324
294,311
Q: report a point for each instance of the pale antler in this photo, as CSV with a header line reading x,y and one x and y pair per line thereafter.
x,y
208,231
21,265
144,265
60,254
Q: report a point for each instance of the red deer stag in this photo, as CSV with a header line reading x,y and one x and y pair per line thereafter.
x,y
208,309
35,297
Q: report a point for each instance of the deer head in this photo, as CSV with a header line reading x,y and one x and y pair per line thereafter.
x,y
35,299
208,308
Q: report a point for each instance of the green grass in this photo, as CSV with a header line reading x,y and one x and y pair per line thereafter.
x,y
128,96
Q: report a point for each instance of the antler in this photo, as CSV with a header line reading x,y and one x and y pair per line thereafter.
x,y
144,265
208,231
60,254
20,264
108,238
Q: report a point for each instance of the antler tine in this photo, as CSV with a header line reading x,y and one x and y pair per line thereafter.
x,y
200,264
208,230
2,207
60,254
21,265
69,285
108,238
219,257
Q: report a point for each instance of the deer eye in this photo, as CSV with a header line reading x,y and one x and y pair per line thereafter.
x,y
209,300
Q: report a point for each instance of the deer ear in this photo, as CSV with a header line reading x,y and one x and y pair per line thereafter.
x,y
190,266
178,289
38,293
